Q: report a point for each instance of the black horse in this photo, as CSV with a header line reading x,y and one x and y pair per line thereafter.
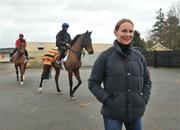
x,y
73,62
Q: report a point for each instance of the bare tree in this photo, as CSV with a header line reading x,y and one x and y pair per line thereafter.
x,y
175,10
172,36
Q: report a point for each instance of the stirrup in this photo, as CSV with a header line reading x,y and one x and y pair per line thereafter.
x,y
58,64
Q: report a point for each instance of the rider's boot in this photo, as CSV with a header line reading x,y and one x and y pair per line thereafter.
x,y
12,58
58,63
26,59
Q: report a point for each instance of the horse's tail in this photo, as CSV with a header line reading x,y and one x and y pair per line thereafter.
x,y
46,74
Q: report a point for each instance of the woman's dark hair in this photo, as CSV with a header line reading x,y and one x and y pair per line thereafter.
x,y
121,22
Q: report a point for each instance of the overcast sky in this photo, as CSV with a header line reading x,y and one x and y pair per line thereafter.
x,y
40,20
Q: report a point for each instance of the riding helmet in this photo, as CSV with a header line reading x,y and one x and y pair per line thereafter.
x,y
65,25
21,34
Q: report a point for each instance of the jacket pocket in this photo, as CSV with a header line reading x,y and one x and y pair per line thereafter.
x,y
138,100
118,101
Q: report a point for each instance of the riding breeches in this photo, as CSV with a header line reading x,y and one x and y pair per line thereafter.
x,y
62,52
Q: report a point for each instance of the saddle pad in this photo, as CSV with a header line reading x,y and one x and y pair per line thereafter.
x,y
48,58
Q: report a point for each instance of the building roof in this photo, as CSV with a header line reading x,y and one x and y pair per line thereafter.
x,y
160,47
6,50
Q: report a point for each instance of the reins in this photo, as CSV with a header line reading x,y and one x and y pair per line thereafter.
x,y
78,53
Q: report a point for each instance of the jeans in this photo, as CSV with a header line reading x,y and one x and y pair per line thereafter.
x,y
111,124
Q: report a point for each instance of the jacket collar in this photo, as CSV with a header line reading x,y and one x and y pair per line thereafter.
x,y
119,50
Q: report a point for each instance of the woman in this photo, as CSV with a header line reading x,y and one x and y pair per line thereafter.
x,y
126,81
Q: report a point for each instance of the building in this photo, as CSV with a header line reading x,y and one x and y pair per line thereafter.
x,y
160,47
45,46
37,49
5,54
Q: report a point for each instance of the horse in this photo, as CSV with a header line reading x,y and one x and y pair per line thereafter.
x,y
20,62
73,62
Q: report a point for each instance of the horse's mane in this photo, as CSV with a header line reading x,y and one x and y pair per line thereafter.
x,y
75,39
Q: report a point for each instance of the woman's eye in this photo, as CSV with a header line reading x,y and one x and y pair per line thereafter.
x,y
125,31
131,31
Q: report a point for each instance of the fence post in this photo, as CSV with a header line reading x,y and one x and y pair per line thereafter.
x,y
155,58
169,59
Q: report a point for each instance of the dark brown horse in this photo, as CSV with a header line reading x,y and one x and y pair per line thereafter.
x,y
20,62
73,62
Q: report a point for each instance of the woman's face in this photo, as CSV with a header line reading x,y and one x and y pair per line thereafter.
x,y
125,33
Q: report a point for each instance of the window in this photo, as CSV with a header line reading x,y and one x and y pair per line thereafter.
x,y
40,48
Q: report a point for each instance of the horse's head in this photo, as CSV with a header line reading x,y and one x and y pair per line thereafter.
x,y
87,42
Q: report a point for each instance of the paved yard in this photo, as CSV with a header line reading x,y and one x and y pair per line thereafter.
x,y
23,108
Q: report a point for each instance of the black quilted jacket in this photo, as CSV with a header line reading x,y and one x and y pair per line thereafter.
x,y
62,38
126,83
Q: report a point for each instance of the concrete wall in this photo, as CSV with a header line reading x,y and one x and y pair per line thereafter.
x,y
36,59
37,49
36,46
4,57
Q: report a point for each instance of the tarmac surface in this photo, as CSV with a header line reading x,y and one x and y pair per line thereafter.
x,y
23,108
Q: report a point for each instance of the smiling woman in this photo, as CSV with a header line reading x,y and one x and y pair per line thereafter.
x,y
124,31
126,79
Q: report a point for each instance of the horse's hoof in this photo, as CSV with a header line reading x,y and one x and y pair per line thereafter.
x,y
21,83
73,98
23,77
40,90
59,93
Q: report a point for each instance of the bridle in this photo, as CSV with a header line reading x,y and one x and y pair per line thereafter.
x,y
84,44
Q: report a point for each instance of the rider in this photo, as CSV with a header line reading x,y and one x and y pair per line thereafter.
x,y
63,40
22,41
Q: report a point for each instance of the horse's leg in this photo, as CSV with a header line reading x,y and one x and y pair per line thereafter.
x,y
70,75
45,71
40,85
24,70
17,73
77,75
56,77
22,73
